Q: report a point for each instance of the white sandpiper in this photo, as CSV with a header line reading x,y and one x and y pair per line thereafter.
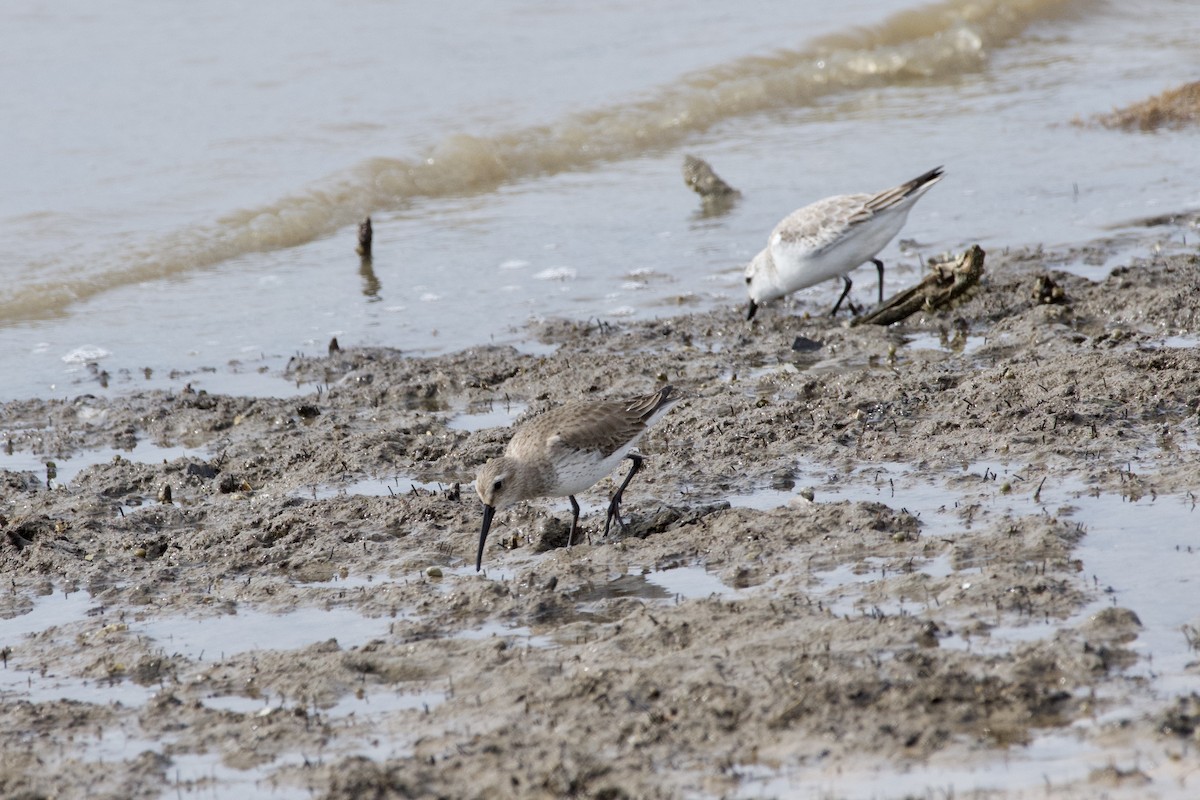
x,y
829,238
566,451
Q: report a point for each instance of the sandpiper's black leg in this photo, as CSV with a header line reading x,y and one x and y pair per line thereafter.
x,y
574,520
845,292
879,267
614,506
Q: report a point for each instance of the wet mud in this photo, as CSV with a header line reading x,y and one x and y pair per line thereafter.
x,y
851,551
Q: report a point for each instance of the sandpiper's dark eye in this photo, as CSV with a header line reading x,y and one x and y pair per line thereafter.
x,y
498,485
747,280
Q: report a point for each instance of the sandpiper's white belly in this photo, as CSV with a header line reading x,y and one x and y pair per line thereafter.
x,y
577,471
801,266
831,238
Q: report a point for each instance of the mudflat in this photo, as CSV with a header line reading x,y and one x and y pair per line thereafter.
x,y
851,556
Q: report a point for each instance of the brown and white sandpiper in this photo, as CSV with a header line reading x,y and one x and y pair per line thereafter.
x,y
567,450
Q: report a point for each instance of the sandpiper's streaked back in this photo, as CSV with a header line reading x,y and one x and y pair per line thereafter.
x,y
829,238
566,451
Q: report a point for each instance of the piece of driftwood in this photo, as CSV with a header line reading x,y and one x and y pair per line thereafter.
x,y
946,283
706,183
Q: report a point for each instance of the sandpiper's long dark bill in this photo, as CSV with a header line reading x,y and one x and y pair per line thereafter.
x,y
567,450
829,238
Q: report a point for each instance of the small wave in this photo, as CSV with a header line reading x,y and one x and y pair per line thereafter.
x,y
931,42
85,354
556,274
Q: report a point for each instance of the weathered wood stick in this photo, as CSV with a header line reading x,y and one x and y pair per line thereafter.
x,y
945,284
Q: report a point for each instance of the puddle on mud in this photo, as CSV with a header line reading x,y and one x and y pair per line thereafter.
x,y
532,347
1147,552
1180,342
67,469
376,703
490,630
674,585
840,589
492,573
1146,556
48,687
366,704
589,599
689,583
338,581
751,373
205,775
489,414
1060,754
895,485
370,487
964,345
210,638
112,744
218,637
485,631
256,375
368,724
50,610
60,610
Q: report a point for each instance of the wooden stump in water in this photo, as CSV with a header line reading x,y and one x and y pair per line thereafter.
x,y
706,183
365,234
716,195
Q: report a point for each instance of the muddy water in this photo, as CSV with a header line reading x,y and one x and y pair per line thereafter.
x,y
531,171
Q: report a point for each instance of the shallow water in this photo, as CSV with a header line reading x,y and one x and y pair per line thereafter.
x,y
219,637
66,470
1146,557
204,774
371,487
205,640
1060,754
690,583
60,610
1142,555
490,415
533,170
931,341
495,630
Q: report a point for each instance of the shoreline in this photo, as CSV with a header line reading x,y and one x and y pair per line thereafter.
x,y
930,606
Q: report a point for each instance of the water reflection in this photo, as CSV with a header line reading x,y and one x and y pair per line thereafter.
x,y
371,284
